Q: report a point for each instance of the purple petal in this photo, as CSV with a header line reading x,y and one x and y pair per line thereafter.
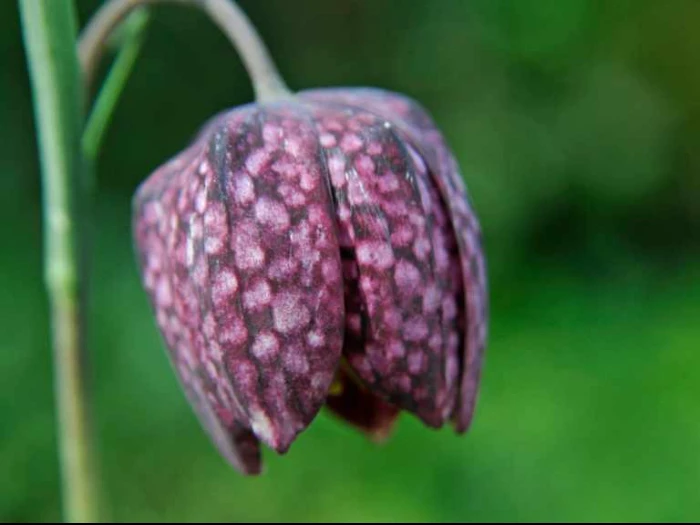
x,y
173,298
415,122
254,252
390,263
451,294
236,443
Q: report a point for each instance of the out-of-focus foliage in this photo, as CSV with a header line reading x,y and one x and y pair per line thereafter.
x,y
576,124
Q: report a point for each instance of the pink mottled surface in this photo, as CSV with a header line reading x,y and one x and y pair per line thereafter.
x,y
291,234
418,128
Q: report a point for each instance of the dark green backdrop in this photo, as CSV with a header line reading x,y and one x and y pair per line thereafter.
x,y
576,124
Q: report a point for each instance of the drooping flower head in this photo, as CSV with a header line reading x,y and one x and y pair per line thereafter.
x,y
317,250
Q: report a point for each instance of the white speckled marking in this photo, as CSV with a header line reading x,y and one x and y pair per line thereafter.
x,y
257,296
376,254
256,160
244,191
234,332
327,140
336,168
315,339
289,314
224,286
350,143
407,277
272,214
265,345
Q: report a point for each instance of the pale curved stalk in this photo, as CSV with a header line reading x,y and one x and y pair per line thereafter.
x,y
267,82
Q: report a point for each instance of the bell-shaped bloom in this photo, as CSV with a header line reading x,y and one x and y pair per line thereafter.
x,y
316,251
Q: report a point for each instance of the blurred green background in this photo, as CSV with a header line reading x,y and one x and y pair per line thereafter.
x,y
577,125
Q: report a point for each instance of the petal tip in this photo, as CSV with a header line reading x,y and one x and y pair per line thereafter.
x,y
279,436
464,416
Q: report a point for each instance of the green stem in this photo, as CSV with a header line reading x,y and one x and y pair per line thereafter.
x,y
49,29
106,102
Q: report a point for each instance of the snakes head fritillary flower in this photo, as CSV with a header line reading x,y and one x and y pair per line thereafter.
x,y
319,250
